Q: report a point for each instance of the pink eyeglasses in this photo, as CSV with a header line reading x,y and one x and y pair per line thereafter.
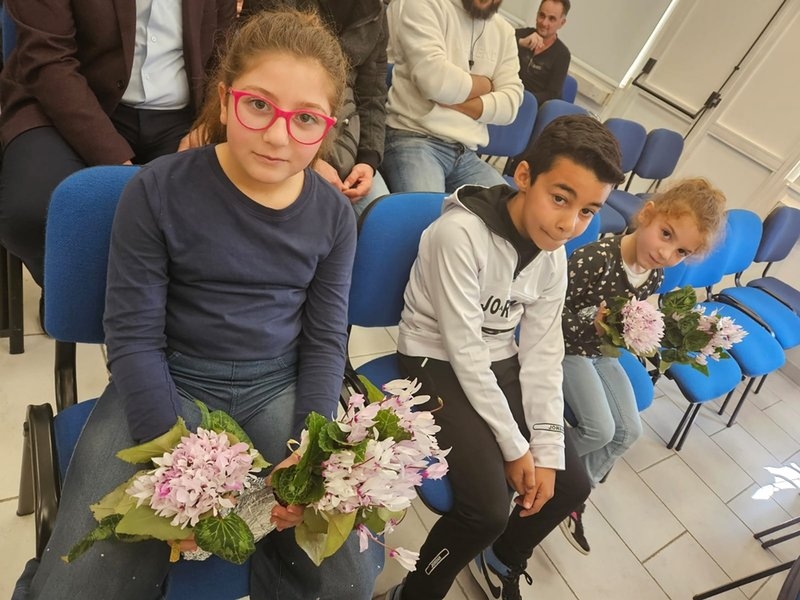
x,y
258,113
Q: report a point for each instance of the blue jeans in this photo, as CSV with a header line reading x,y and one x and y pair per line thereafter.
x,y
260,395
600,394
413,162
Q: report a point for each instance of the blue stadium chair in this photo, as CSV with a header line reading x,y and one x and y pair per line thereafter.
x,y
388,242
76,254
512,139
660,155
781,230
569,91
631,137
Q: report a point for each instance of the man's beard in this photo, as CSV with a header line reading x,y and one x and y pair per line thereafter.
x,y
480,13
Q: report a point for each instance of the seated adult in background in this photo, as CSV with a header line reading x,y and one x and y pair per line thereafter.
x,y
363,33
455,71
95,82
543,58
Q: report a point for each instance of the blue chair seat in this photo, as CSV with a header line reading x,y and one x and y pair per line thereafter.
x,y
758,353
723,376
779,289
781,320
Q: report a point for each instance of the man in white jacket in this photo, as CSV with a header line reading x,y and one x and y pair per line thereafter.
x,y
456,69
491,264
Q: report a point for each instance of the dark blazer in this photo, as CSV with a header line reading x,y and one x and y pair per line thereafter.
x,y
72,63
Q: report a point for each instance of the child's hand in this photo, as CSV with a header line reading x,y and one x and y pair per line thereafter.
x,y
521,475
545,488
600,316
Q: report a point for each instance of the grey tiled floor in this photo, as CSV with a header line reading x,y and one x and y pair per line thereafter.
x,y
666,525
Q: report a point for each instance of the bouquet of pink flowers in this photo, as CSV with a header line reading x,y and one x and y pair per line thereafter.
x,y
359,471
635,325
189,491
692,336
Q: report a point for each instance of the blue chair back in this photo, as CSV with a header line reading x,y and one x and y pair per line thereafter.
x,y
672,278
590,234
9,32
77,237
512,139
388,241
389,70
744,229
631,137
780,232
569,91
660,155
553,109
708,271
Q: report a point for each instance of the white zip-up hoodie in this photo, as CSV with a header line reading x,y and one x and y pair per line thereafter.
x,y
464,301
431,43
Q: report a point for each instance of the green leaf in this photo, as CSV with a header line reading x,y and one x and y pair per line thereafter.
x,y
116,501
143,521
610,351
105,530
376,518
698,367
228,537
388,425
374,394
322,534
156,447
332,438
297,487
220,421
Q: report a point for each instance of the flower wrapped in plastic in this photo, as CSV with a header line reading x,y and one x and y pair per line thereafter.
x,y
190,490
692,336
629,323
359,471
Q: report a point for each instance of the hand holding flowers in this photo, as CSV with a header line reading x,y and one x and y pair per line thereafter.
x,y
359,472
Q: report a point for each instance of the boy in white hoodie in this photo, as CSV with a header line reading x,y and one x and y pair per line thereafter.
x,y
494,262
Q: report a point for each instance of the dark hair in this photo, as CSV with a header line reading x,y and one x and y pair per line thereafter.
x,y
301,34
582,139
565,5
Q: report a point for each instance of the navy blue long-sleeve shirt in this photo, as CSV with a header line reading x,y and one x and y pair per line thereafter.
x,y
198,267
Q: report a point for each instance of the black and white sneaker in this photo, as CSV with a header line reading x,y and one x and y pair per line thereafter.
x,y
495,585
572,527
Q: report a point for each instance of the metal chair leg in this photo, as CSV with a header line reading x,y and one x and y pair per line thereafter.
x,y
773,541
761,383
46,480
743,581
680,426
25,500
688,427
736,410
65,374
725,402
11,321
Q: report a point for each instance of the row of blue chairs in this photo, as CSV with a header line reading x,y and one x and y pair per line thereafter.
x,y
772,326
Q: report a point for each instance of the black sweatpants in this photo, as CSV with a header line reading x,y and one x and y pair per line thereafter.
x,y
480,515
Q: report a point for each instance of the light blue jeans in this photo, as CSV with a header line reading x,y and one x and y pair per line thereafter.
x,y
413,162
260,395
600,394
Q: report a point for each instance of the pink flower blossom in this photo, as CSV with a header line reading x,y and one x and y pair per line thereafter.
x,y
197,477
643,327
